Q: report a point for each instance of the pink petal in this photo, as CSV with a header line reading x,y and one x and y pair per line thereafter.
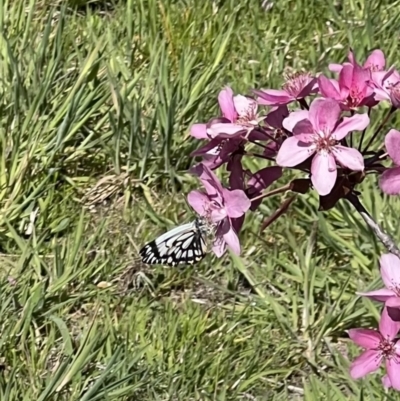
x,y
393,302
368,362
218,214
365,338
388,327
304,131
232,240
199,201
219,247
390,181
323,175
225,130
244,105
361,78
392,144
236,202
226,235
381,94
378,77
397,348
381,295
392,77
355,123
348,157
211,160
335,67
199,131
390,270
346,77
393,372
273,97
292,153
209,180
395,98
225,100
376,60
293,118
327,88
324,114
386,381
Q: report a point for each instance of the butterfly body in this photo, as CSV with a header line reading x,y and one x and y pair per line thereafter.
x,y
185,244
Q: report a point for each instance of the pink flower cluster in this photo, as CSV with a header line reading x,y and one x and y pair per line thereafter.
x,y
382,345
319,127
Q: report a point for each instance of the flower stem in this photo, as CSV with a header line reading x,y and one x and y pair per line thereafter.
x,y
268,136
363,133
281,210
273,192
386,239
351,133
378,156
260,156
258,143
384,121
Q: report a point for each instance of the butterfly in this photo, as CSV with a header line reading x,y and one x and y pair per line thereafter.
x,y
185,244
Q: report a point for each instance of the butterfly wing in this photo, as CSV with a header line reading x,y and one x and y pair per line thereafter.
x,y
181,245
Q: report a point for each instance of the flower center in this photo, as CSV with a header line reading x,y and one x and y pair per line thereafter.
x,y
374,68
295,83
248,116
355,97
395,287
387,350
324,142
394,90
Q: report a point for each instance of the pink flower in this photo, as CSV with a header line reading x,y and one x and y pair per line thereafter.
x,y
239,117
379,346
296,87
390,272
375,62
353,88
219,151
387,87
318,132
221,206
390,179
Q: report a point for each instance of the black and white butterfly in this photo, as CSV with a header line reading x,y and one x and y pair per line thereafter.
x,y
185,244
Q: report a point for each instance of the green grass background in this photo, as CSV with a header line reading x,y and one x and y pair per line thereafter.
x,y
95,103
